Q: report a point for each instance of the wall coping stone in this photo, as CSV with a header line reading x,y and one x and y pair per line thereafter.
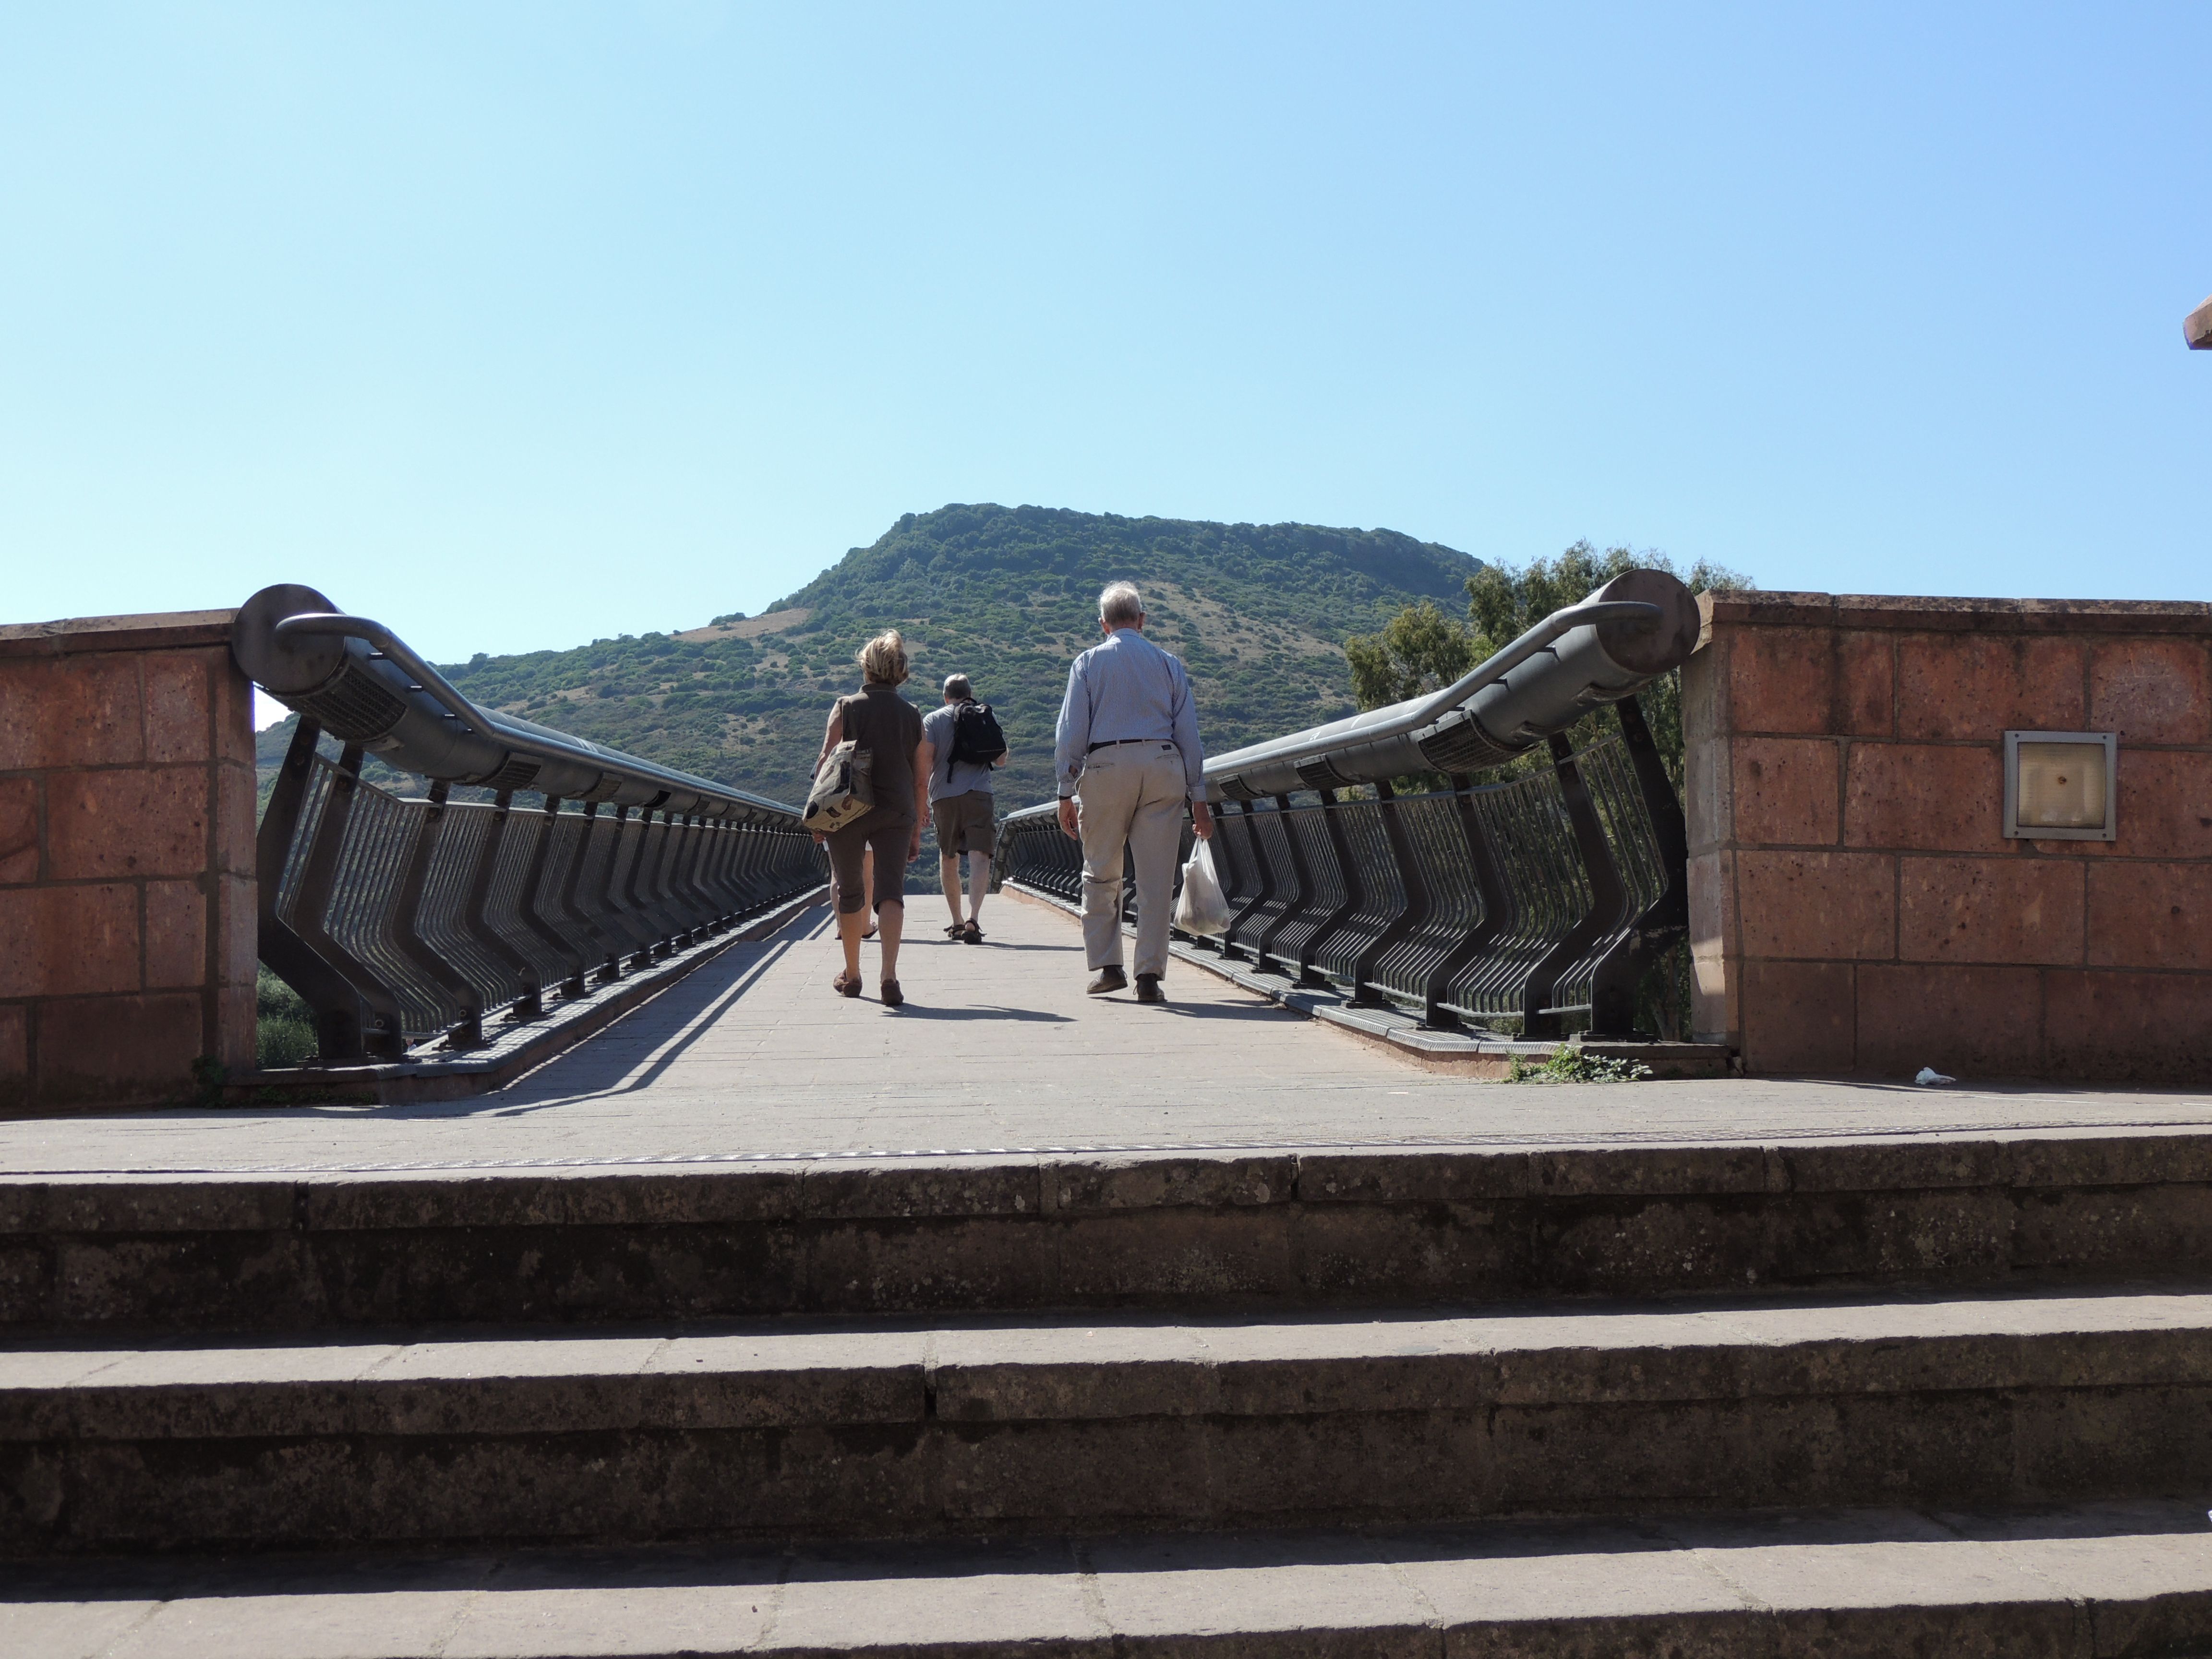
x,y
159,630
1954,616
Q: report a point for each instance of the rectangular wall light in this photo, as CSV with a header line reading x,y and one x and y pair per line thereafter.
x,y
2061,785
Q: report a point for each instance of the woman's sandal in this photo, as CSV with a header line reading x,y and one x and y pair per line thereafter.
x,y
953,930
971,933
892,995
846,985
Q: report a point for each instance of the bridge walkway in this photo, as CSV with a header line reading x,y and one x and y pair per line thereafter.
x,y
752,1058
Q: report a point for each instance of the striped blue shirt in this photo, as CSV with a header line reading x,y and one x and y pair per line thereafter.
x,y
1126,688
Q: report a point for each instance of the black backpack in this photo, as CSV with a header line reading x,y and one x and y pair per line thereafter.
x,y
976,739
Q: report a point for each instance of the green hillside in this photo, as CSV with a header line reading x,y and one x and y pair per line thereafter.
x,y
1008,595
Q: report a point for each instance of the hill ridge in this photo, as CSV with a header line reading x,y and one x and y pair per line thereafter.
x,y
1258,613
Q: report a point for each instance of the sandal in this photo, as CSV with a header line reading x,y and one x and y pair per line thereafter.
x,y
971,933
893,997
953,929
846,985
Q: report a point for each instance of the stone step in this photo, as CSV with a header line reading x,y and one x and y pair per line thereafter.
x,y
2094,1583
1254,1228
918,1429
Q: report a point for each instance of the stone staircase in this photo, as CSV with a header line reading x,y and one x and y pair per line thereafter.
x,y
1889,1397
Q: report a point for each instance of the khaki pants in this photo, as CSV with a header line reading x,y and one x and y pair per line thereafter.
x,y
1132,794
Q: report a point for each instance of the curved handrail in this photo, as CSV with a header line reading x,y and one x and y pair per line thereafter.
x,y
525,736
1380,724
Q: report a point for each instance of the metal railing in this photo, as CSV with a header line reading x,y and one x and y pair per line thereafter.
x,y
405,921
1531,905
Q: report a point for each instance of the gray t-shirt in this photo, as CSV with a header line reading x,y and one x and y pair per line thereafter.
x,y
951,777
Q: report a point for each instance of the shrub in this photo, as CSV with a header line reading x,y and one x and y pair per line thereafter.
x,y
284,1033
1569,1065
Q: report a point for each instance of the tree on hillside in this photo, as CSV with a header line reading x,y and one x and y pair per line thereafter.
x,y
1420,649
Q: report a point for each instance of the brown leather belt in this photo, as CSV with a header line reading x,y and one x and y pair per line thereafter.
x,y
1116,742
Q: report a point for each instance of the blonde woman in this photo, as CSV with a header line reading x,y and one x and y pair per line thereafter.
x,y
889,727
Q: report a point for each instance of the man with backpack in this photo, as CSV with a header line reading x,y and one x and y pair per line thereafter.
x,y
960,744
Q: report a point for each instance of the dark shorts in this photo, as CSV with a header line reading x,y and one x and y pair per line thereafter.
x,y
888,838
963,823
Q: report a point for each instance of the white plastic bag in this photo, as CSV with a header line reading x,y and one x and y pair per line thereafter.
x,y
1201,908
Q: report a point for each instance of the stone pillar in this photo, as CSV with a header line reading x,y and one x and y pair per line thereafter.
x,y
127,922
1855,906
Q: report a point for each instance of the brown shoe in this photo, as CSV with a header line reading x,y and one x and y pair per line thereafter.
x,y
1110,978
1148,988
893,997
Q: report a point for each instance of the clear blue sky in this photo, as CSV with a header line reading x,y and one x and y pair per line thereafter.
x,y
515,325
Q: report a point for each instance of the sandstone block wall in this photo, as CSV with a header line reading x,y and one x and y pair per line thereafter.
x,y
1853,905
127,917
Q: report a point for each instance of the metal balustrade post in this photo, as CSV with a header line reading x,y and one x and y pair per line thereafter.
x,y
730,845
715,835
721,834
1411,883
761,879
758,849
752,850
382,1027
476,921
610,910
1300,885
1539,1018
597,941
1666,919
1230,947
466,1032
635,910
661,892
703,837
752,854
533,918
655,903
734,837
688,902
638,890
1497,909
328,994
1347,873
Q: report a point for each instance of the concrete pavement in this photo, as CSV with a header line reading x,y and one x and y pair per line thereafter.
x,y
998,1050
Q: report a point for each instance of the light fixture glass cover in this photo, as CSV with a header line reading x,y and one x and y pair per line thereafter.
x,y
2059,785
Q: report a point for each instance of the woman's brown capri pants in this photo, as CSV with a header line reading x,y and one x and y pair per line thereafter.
x,y
888,837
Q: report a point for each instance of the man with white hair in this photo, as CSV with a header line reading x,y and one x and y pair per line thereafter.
x,y
1127,758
